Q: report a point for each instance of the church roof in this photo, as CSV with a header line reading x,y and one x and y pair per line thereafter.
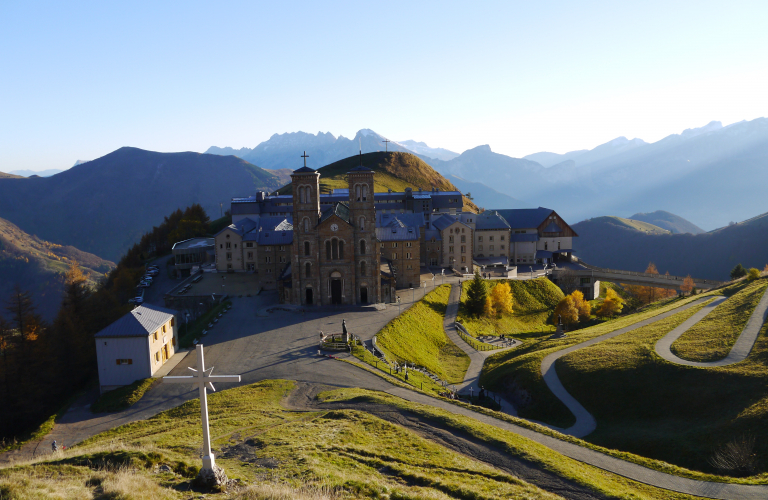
x,y
339,209
304,170
361,168
140,322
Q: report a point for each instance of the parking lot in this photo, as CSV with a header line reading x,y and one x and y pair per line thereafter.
x,y
232,284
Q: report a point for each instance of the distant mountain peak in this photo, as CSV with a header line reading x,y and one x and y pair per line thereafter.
x,y
709,127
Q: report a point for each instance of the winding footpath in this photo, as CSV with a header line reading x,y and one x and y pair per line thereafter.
x,y
471,383
741,348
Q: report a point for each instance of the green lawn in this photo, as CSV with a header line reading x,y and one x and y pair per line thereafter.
x,y
417,336
669,412
711,339
520,369
123,397
534,301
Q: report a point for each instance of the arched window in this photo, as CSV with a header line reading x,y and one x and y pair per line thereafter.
x,y
306,248
362,269
357,192
341,249
335,248
365,192
307,270
362,223
306,225
362,247
328,250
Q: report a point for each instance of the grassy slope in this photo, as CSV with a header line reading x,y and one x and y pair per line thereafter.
x,y
3,175
665,411
712,338
256,440
123,397
534,301
394,170
521,367
417,336
637,225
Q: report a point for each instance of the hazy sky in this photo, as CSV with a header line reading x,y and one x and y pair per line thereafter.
x,y
82,79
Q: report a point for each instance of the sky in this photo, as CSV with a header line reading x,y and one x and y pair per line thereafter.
x,y
81,79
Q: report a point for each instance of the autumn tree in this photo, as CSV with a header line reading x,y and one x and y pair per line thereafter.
x,y
566,311
687,285
648,294
753,274
476,295
582,306
611,306
501,298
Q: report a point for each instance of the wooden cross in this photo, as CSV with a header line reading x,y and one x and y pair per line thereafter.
x,y
305,156
386,145
203,379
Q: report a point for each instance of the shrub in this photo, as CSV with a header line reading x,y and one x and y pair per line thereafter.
x,y
753,274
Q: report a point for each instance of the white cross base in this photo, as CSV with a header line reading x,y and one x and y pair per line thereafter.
x,y
203,379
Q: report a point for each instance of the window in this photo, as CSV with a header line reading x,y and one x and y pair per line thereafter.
x,y
229,245
358,192
558,245
306,225
502,247
365,192
463,238
250,255
307,270
450,239
381,245
249,245
394,244
545,245
154,336
328,250
281,248
450,249
463,259
229,255
362,269
235,245
479,238
463,249
173,322
221,245
490,248
163,328
408,255
269,270
282,259
490,238
480,248
362,247
462,229
268,259
409,244
157,357
394,256
362,223
306,248
124,361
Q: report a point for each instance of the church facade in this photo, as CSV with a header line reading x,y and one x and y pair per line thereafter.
x,y
355,246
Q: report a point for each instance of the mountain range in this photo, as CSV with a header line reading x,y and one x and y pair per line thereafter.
x,y
611,242
40,173
105,205
39,267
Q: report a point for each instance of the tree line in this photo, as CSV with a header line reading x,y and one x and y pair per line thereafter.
x,y
42,365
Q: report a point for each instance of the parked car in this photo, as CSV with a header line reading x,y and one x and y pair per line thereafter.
x,y
153,272
136,300
146,278
145,284
197,278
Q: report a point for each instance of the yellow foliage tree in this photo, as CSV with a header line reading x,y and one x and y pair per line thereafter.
x,y
501,296
753,274
583,306
566,311
611,306
687,285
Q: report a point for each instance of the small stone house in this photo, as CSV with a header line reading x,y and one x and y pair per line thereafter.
x,y
136,346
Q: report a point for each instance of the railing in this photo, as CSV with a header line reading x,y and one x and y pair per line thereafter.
x,y
469,339
642,275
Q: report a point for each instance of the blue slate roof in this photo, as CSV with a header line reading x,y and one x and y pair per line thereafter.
x,y
527,237
140,322
414,220
443,222
275,231
304,170
523,218
397,233
490,220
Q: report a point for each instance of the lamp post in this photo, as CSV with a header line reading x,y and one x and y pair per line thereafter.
x,y
442,273
424,285
413,296
398,305
433,281
531,267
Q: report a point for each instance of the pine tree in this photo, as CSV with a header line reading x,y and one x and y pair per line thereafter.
x,y
476,295
738,272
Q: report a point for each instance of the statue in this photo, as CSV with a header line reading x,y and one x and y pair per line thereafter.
x,y
344,334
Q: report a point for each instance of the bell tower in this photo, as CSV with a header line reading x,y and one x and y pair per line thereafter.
x,y
305,269
367,251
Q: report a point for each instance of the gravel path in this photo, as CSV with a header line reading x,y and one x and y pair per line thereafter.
x,y
741,348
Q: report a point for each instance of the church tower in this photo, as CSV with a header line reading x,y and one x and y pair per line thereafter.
x,y
367,251
305,271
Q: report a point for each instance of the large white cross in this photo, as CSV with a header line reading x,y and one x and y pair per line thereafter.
x,y
203,378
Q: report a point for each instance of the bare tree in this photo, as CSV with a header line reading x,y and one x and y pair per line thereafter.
x,y
736,456
568,281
